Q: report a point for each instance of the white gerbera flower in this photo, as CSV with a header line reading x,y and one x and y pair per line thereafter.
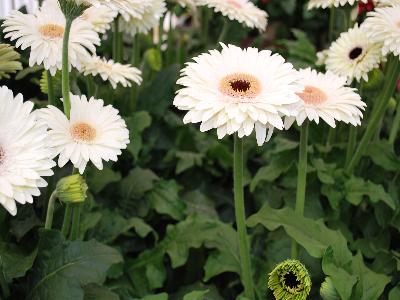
x,y
43,32
94,132
243,11
238,90
127,8
384,3
113,72
150,18
383,26
353,55
100,17
24,155
329,3
325,96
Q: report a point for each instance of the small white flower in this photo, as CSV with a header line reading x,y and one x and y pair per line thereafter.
x,y
43,33
24,155
147,20
113,72
100,17
354,55
243,11
383,26
238,90
325,96
94,132
329,3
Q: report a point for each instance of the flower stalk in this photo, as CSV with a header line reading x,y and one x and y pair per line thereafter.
x,y
50,210
50,89
395,126
301,179
65,69
392,74
240,214
135,61
3,282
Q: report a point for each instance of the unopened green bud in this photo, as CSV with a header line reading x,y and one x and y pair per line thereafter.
x,y
290,280
392,104
328,291
8,61
72,189
72,9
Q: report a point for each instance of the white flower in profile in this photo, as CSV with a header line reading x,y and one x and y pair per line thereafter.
x,y
354,55
43,33
147,20
238,90
100,17
243,11
93,133
326,96
383,26
331,3
127,8
24,155
113,72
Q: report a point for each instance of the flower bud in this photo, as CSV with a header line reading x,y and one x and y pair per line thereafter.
x,y
72,189
72,9
328,291
290,280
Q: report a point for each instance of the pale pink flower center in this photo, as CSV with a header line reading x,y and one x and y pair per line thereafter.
x,y
313,95
83,132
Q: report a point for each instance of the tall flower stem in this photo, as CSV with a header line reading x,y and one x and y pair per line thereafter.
x,y
135,61
50,89
395,125
117,42
3,282
50,211
224,32
301,179
392,74
351,144
76,217
205,14
65,69
244,252
332,23
67,220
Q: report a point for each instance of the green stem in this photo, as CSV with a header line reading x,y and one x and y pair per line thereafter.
x,y
245,262
50,211
170,44
135,61
50,89
65,69
3,283
224,32
351,144
117,42
331,137
332,23
301,179
76,221
395,126
90,89
205,25
392,74
160,33
67,220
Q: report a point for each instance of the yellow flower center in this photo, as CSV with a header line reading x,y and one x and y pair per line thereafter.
x,y
398,24
240,85
312,95
83,132
52,31
2,155
234,3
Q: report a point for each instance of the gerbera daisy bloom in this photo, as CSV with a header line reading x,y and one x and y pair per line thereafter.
x,y
384,3
100,17
243,11
325,96
238,90
383,26
127,8
93,133
353,55
113,72
147,20
185,3
329,3
24,155
43,33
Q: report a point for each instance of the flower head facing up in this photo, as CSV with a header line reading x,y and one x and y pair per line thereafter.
x,y
43,33
354,55
331,3
113,72
24,153
238,90
326,96
383,26
94,132
243,11
290,280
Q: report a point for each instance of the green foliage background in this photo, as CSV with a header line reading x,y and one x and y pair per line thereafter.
x,y
159,224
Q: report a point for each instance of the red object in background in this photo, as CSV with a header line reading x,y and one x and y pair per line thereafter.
x,y
264,1
365,7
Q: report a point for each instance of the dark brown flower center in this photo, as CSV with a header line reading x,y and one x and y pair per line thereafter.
x,y
355,53
291,281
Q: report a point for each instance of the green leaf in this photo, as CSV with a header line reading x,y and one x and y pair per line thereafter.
x,y
394,293
370,284
140,121
14,262
382,154
218,263
356,188
195,295
137,183
165,199
313,235
63,267
96,292
162,296
187,160
99,180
